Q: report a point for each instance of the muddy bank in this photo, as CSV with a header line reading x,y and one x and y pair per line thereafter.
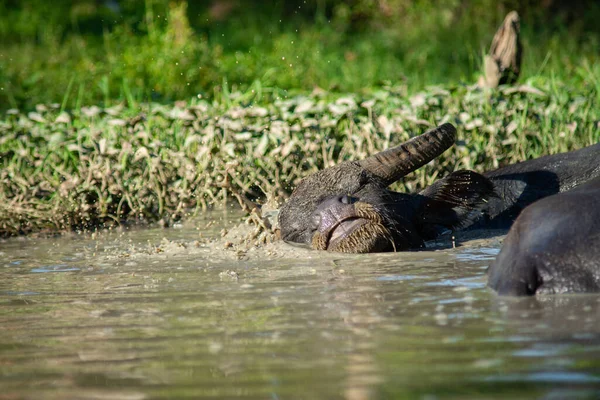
x,y
94,167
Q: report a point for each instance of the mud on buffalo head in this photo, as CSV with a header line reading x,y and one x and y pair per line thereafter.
x,y
348,207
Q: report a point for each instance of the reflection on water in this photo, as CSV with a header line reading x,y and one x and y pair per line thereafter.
x,y
108,316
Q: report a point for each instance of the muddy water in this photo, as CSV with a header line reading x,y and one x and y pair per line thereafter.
x,y
154,313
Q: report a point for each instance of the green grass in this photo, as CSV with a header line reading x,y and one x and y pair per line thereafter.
x,y
95,167
164,52
249,122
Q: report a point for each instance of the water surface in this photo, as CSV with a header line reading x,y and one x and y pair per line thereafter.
x,y
155,313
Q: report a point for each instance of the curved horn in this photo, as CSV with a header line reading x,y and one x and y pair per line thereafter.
x,y
394,163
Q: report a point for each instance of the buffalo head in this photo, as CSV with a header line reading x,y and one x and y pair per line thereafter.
x,y
348,207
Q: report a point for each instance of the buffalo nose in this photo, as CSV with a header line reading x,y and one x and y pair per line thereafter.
x,y
331,211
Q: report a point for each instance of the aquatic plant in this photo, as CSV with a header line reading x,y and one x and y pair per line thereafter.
x,y
95,167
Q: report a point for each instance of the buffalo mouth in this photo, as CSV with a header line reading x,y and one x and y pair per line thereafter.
x,y
361,232
344,229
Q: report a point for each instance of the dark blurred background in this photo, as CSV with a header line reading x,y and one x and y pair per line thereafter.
x,y
107,51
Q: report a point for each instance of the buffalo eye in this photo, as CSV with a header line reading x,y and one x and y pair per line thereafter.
x,y
347,199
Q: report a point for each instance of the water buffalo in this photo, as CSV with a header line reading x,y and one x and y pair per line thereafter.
x,y
349,208
553,246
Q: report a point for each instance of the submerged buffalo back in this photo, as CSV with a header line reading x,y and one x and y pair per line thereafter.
x,y
521,184
553,246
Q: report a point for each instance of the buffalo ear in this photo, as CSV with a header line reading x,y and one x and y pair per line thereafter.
x,y
455,201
